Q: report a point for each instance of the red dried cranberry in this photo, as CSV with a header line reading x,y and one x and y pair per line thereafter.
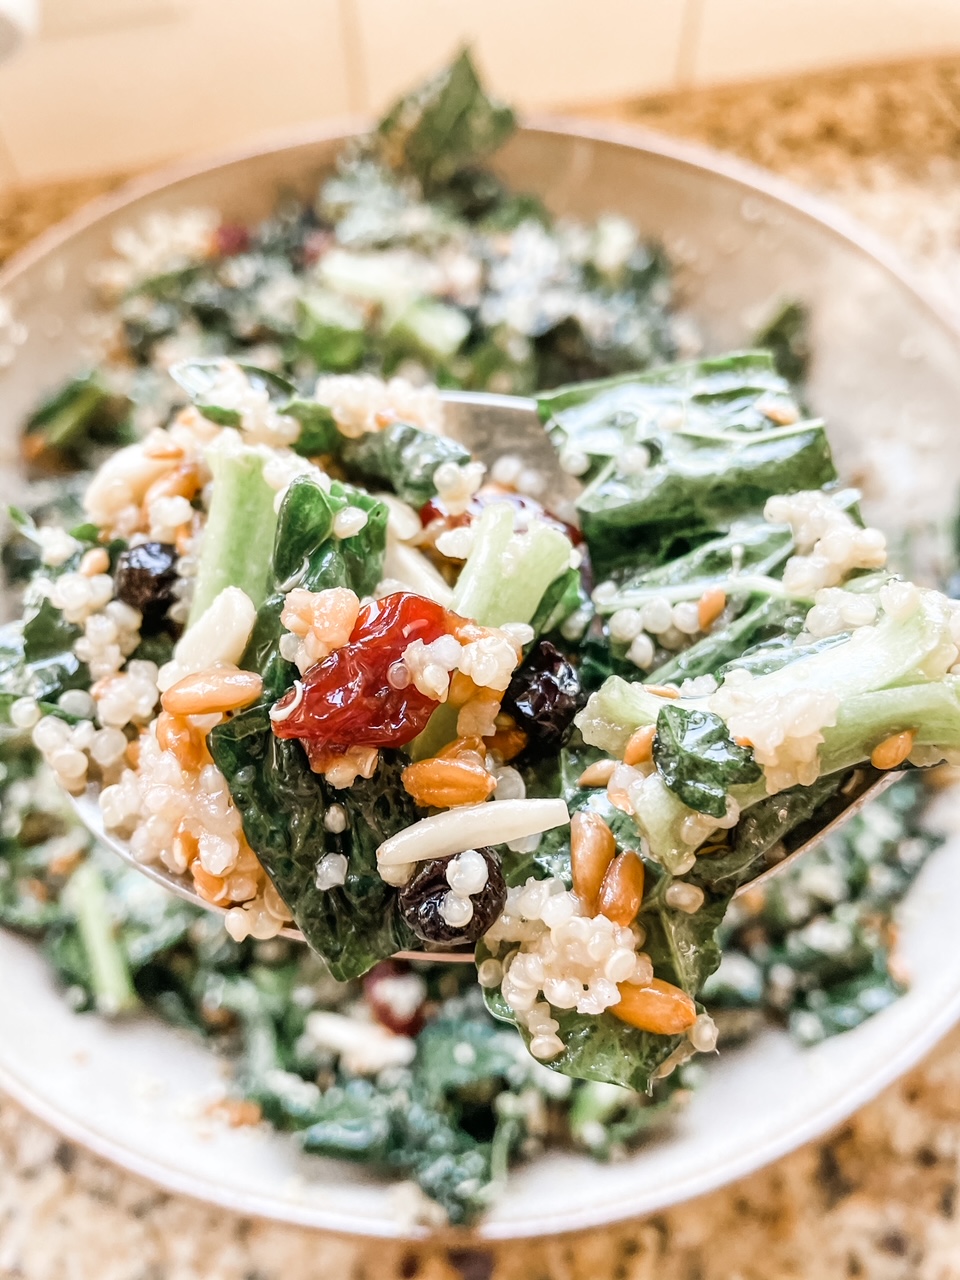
x,y
526,509
543,697
383,1002
232,238
315,245
347,698
421,900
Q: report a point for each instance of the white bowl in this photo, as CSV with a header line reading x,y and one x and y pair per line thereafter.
x,y
886,373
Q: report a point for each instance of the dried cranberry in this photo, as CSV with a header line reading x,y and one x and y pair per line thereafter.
x,y
231,238
526,509
543,696
348,699
383,986
315,245
144,579
421,900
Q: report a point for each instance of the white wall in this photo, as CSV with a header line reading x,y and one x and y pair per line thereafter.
x,y
117,84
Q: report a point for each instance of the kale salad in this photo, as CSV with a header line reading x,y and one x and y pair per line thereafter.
x,y
347,677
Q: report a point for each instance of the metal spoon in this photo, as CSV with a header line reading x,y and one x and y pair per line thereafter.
x,y
490,425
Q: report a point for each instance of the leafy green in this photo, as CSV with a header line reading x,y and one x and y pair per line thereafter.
x,y
82,416
682,947
307,554
678,454
403,457
201,379
698,760
331,330
507,574
241,520
444,126
37,658
281,800
109,973
783,820
601,1047
786,335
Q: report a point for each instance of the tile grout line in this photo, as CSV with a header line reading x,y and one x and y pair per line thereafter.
x,y
358,91
691,29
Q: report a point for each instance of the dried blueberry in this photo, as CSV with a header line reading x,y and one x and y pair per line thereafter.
x,y
144,579
423,902
543,697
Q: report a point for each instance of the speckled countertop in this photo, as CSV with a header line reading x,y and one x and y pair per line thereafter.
x,y
878,1198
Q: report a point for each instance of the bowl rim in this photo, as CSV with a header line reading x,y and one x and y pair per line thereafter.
x,y
752,179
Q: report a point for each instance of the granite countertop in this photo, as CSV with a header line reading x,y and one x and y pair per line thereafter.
x,y
878,1197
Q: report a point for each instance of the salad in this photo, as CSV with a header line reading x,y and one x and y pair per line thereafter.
x,y
317,656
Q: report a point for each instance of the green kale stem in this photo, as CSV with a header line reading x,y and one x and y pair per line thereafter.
x,y
505,577
888,678
110,978
238,539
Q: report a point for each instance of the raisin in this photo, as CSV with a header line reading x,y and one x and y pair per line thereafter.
x,y
421,899
348,699
144,579
391,1013
543,697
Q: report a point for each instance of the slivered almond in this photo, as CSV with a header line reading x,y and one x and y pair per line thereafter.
x,y
663,690
444,784
472,827
659,1007
597,774
639,746
893,750
592,849
216,689
710,606
621,892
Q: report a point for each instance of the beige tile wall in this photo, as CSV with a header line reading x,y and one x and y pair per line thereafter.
x,y
542,53
115,84
748,39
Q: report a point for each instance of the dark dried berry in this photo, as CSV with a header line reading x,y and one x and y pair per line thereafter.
x,y
387,989
144,579
421,899
544,696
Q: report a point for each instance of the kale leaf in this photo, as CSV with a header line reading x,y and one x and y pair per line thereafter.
x,y
283,804
445,126
68,428
678,454
404,457
281,800
698,760
682,947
